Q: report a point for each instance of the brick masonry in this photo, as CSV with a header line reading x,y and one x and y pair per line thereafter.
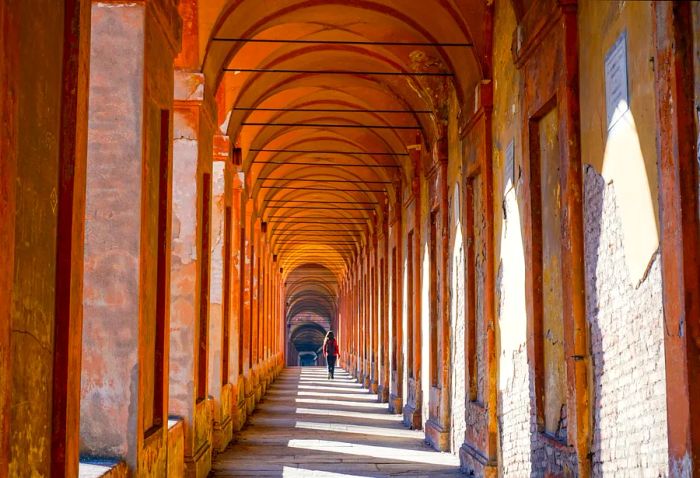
x,y
524,451
626,334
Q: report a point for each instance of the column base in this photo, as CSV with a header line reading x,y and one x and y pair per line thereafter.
x,y
382,394
199,465
366,382
223,434
473,463
437,435
223,422
373,386
250,394
395,404
412,417
257,383
176,448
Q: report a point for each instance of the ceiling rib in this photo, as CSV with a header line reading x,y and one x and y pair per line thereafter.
x,y
332,165
357,153
329,125
330,110
344,42
338,72
300,188
349,181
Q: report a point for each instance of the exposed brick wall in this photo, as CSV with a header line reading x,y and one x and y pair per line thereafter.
x,y
524,451
626,333
514,418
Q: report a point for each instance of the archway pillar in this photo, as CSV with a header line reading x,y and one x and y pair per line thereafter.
x,y
127,241
190,268
395,299
437,428
257,267
478,453
366,318
412,412
44,62
382,283
236,377
248,251
373,288
220,387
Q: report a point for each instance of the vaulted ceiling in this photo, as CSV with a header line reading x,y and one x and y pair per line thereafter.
x,y
323,97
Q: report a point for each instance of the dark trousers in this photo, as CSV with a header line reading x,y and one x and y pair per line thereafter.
x,y
331,363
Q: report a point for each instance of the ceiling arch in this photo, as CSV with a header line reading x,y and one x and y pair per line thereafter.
x,y
324,98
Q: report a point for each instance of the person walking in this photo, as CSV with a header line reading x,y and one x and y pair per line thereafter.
x,y
330,350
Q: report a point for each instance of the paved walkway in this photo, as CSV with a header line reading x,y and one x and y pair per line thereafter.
x,y
308,426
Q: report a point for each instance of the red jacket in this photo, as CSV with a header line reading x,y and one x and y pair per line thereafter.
x,y
330,347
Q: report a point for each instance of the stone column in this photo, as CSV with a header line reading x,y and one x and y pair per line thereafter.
x,y
366,323
127,246
679,215
395,279
220,294
255,308
247,253
374,312
357,320
192,150
412,413
384,312
236,376
43,108
437,428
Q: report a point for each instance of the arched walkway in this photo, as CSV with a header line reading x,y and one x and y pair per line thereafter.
x,y
308,426
493,204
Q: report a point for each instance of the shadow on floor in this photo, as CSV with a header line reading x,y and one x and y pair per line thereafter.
x,y
308,426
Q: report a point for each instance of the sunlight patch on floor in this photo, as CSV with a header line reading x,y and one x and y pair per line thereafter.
x,y
289,472
324,394
429,457
342,403
358,429
349,414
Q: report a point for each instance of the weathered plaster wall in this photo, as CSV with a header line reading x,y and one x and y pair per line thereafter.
x,y
130,103
192,159
627,153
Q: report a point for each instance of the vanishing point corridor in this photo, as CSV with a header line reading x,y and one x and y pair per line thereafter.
x,y
308,426
486,213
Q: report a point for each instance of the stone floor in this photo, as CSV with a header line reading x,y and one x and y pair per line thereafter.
x,y
308,426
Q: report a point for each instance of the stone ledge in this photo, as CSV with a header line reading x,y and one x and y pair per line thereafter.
x,y
102,469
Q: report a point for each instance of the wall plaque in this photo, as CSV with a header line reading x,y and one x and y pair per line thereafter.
x,y
616,92
509,168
